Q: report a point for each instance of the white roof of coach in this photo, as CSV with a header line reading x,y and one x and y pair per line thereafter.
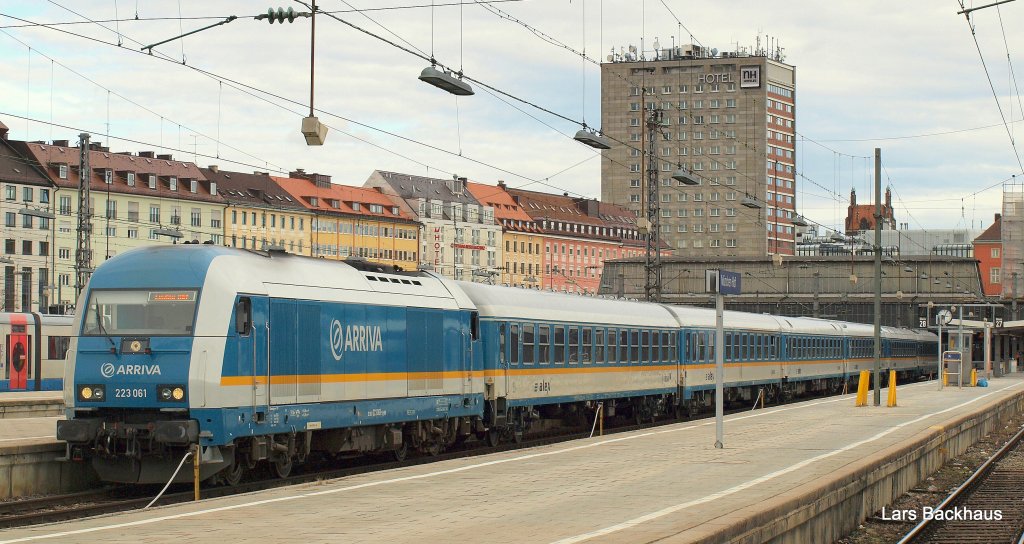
x,y
693,316
516,303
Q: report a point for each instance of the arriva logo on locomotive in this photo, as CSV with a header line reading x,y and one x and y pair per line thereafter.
x,y
354,338
108,370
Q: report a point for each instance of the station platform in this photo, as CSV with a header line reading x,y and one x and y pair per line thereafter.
x,y
28,459
31,404
803,472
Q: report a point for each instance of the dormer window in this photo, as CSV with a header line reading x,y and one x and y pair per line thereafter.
x,y
314,201
130,178
62,171
394,210
193,185
108,176
355,206
172,183
333,203
376,208
213,188
152,181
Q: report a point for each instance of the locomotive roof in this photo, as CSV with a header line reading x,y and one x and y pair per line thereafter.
x,y
229,271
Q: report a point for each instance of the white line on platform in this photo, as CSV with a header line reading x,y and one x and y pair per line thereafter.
x,y
770,476
765,412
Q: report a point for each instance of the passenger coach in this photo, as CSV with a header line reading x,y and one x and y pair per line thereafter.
x,y
267,358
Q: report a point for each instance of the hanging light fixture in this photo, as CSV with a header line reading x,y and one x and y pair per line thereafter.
x,y
684,176
592,138
445,81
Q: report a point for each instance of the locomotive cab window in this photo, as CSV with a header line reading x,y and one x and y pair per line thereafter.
x,y
243,316
139,312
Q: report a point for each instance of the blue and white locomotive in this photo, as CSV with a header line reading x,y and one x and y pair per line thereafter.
x,y
267,358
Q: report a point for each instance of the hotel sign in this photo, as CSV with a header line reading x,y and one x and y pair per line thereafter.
x,y
750,77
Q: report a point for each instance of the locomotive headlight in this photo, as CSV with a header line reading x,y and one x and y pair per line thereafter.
x,y
91,392
170,393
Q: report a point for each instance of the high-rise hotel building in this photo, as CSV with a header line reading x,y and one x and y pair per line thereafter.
x,y
730,119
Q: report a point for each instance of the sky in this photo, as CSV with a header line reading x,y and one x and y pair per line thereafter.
x,y
905,77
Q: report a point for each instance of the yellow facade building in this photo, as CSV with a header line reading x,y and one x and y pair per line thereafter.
x,y
353,221
260,214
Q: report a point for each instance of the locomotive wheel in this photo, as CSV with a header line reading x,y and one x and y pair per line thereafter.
x,y
233,475
282,466
492,437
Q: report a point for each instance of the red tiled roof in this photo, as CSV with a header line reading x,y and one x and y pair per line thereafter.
x,y
51,157
994,233
504,205
303,190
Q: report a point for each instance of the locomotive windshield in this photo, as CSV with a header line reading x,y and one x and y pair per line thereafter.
x,y
140,313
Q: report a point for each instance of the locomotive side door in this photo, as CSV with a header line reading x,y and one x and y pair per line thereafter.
x,y
251,335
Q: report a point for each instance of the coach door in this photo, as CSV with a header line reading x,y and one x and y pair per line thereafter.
x,y
18,353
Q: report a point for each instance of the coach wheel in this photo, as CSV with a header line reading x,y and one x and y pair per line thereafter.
x,y
234,474
282,466
401,452
492,437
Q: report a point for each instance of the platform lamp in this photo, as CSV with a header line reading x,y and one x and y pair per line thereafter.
x,y
445,80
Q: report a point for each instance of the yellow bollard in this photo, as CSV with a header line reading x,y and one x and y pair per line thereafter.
x,y
945,379
892,388
195,468
974,377
862,388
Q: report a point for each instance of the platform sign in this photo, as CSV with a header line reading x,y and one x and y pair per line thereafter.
x,y
723,282
951,357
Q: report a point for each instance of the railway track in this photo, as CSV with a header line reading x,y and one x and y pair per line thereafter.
x,y
987,508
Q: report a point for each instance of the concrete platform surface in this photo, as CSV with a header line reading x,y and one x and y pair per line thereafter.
x,y
23,431
31,404
666,483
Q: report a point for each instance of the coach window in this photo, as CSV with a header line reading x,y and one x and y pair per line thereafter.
x,y
761,345
655,346
544,344
612,353
664,347
673,351
528,354
501,344
775,347
623,346
645,346
574,344
634,345
599,346
702,352
514,343
559,345
588,344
